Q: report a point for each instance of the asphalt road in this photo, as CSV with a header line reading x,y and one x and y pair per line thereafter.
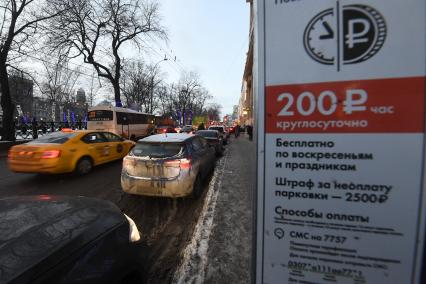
x,y
166,224
99,183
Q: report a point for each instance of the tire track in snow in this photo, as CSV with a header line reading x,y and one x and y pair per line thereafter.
x,y
194,264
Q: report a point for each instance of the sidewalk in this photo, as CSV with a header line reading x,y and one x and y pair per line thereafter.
x,y
220,250
230,245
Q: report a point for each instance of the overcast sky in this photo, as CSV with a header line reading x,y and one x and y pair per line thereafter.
x,y
210,37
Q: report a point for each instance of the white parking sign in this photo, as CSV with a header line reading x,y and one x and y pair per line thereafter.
x,y
341,95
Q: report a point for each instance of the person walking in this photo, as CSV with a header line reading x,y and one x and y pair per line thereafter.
x,y
34,128
43,127
52,127
23,129
237,131
201,126
250,131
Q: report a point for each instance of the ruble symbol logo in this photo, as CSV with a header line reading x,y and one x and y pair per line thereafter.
x,y
348,35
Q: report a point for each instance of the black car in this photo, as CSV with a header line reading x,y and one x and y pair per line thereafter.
x,y
45,239
214,139
222,130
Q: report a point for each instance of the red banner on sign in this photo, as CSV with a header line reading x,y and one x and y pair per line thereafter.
x,y
367,106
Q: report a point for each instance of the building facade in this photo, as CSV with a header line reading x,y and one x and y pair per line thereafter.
x,y
246,103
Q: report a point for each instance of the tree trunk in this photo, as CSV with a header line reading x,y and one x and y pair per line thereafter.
x,y
117,94
8,127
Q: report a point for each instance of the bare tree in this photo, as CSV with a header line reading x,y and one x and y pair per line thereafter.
x,y
59,83
213,111
20,20
135,84
202,95
93,91
188,96
184,93
139,83
163,101
98,29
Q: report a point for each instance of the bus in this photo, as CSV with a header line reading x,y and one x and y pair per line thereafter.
x,y
125,122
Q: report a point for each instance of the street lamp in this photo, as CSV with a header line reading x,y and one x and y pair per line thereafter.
x,y
152,84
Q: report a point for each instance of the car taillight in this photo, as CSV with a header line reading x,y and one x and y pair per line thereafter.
x,y
50,154
164,130
127,163
44,197
185,163
182,163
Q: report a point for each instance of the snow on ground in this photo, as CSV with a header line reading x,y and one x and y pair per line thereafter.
x,y
221,248
192,269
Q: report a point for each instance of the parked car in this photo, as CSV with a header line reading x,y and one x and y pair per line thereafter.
x,y
187,129
53,239
231,129
172,166
214,139
165,129
222,130
68,151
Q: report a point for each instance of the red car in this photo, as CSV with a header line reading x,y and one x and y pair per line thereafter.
x,y
165,129
231,129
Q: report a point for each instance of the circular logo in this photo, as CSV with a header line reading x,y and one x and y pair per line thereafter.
x,y
347,35
119,148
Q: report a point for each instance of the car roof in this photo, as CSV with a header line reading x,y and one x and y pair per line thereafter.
x,y
47,229
207,130
167,137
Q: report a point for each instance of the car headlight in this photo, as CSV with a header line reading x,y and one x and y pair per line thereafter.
x,y
134,235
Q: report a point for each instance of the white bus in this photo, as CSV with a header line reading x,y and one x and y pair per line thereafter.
x,y
122,121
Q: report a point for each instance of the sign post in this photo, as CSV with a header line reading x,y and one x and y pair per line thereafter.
x,y
341,96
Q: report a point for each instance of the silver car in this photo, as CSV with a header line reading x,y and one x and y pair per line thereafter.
x,y
169,165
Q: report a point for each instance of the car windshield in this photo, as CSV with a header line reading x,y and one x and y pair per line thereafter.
x,y
157,150
187,127
54,138
218,128
207,133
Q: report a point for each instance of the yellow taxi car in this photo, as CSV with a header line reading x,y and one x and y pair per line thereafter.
x,y
68,151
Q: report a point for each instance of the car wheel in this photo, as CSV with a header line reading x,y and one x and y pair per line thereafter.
x,y
84,166
197,189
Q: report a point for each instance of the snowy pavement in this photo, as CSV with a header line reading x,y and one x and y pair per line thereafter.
x,y
221,247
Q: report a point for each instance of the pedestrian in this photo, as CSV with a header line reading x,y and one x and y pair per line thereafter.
x,y
43,127
23,128
15,125
34,128
250,131
237,130
52,127
201,126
